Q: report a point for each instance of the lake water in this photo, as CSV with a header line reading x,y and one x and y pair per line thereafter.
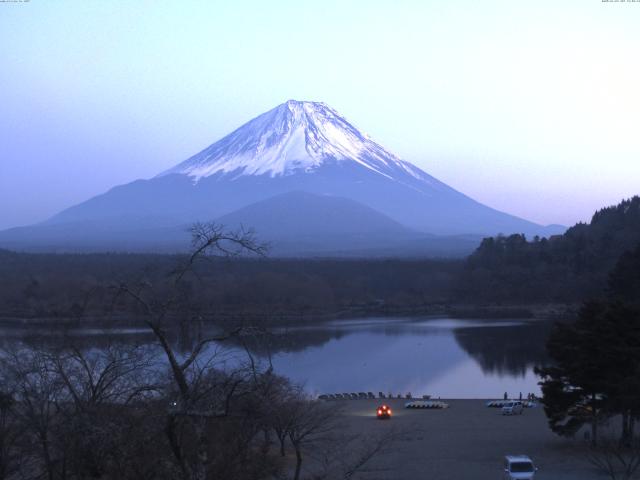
x,y
441,357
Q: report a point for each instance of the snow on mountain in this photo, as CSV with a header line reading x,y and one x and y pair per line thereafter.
x,y
294,137
343,178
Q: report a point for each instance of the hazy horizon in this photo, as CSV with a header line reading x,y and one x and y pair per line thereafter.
x,y
530,108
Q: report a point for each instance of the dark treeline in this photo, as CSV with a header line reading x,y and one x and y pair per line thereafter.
x,y
562,269
594,376
79,286
503,271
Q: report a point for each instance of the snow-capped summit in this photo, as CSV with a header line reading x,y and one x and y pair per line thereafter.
x,y
296,136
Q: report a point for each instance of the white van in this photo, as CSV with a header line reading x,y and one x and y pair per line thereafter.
x,y
513,408
518,467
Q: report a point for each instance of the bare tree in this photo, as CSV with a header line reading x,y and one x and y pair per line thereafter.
x,y
310,422
69,403
114,413
37,392
10,435
98,386
207,239
616,459
282,414
188,372
114,374
345,457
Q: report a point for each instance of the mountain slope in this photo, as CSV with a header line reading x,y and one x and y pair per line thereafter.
x,y
293,224
297,213
303,223
297,146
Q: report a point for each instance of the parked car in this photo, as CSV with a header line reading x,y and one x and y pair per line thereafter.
x,y
383,412
519,467
513,408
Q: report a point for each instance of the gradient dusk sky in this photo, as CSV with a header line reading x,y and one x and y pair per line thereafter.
x,y
531,107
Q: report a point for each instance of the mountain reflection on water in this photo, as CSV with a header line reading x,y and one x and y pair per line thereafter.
x,y
507,350
438,356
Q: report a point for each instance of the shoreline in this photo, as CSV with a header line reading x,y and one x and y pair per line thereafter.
x,y
534,312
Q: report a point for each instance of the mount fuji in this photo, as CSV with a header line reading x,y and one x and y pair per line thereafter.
x,y
305,177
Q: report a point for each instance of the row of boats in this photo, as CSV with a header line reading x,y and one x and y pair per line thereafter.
x,y
366,395
425,402
437,404
502,403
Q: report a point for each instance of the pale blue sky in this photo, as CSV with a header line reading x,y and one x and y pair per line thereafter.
x,y
531,107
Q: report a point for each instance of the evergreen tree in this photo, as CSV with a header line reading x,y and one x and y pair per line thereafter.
x,y
574,388
596,370
624,279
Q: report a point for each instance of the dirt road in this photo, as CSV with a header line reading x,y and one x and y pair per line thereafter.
x,y
466,442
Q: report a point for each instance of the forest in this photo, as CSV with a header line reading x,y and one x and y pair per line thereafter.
x,y
69,287
561,269
505,271
590,381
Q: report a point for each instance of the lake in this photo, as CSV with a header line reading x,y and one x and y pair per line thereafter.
x,y
441,357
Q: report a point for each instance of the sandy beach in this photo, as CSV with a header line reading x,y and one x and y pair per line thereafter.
x,y
465,441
